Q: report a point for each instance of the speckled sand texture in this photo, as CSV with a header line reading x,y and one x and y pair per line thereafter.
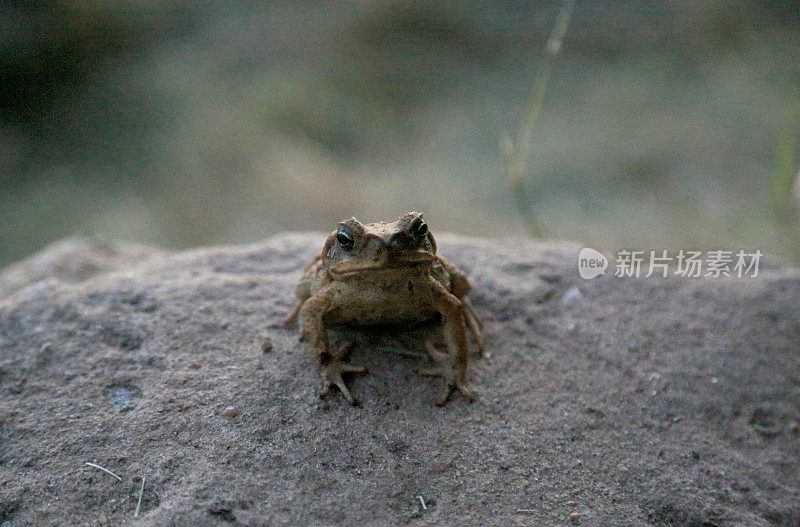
x,y
636,402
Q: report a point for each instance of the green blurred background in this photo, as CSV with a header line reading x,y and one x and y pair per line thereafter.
x,y
666,125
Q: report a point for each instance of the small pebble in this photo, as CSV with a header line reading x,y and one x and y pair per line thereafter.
x,y
575,516
573,294
266,346
230,411
122,398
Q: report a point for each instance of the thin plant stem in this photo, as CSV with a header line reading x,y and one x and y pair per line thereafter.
x,y
785,202
517,151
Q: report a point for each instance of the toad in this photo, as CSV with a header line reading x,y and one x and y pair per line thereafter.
x,y
386,273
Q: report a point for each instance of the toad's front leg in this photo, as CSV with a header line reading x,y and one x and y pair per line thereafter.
x,y
453,314
330,366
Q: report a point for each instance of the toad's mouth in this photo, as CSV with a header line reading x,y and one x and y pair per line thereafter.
x,y
404,261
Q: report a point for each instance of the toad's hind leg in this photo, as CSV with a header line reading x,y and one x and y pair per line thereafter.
x,y
474,325
442,359
446,369
471,312
454,367
460,288
330,366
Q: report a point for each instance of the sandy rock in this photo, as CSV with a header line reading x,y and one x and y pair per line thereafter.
x,y
73,260
607,402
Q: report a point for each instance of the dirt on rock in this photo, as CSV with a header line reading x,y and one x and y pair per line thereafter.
x,y
611,401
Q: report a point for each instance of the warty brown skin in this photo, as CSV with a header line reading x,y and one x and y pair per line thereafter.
x,y
386,273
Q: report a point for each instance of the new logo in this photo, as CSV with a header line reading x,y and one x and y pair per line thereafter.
x,y
591,263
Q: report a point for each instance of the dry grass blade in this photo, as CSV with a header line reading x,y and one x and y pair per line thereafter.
x,y
516,152
104,470
139,503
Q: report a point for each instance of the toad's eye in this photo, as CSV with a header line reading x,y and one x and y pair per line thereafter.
x,y
345,238
419,229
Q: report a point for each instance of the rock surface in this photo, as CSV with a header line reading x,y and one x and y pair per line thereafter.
x,y
72,260
637,402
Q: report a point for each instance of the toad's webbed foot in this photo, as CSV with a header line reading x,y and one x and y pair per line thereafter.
x,y
332,376
454,382
456,379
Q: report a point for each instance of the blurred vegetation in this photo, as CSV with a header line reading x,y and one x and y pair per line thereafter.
x,y
786,184
665,125
51,47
